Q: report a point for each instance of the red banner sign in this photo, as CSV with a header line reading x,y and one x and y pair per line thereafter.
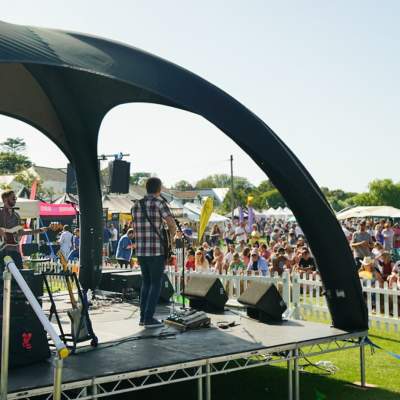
x,y
47,209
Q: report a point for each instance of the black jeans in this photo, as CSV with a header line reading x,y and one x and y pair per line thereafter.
x,y
152,268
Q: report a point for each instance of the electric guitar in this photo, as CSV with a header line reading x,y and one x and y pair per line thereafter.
x,y
79,328
12,235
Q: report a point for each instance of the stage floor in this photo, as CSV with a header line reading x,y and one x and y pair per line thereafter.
x,y
126,347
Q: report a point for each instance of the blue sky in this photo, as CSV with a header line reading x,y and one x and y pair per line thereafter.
x,y
323,75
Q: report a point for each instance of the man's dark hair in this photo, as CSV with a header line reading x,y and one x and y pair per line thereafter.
x,y
153,185
6,194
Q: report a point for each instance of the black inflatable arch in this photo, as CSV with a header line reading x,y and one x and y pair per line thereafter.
x,y
65,83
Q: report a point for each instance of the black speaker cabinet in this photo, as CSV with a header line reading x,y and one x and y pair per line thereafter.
x,y
105,281
29,248
28,340
72,186
119,172
206,293
263,302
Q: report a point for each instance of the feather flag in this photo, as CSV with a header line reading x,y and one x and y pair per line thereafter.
x,y
206,211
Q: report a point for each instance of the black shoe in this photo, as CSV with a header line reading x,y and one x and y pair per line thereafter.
x,y
153,323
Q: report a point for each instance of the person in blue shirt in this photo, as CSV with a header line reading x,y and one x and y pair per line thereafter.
x,y
74,255
258,263
124,249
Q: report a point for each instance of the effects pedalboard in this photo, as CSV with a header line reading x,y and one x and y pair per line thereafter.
x,y
188,319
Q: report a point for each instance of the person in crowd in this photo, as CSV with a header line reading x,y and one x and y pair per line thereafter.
x,y
229,255
190,260
65,241
229,234
125,228
255,235
385,265
290,255
113,239
292,239
74,254
279,261
264,252
388,234
369,272
241,246
378,234
208,252
258,264
200,262
123,252
188,232
377,249
218,260
215,235
306,263
246,255
396,236
240,233
275,235
236,265
361,243
394,277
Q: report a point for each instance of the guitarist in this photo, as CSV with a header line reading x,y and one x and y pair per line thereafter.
x,y
9,219
148,216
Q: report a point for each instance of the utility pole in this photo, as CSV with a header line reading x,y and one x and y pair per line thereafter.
x,y
232,189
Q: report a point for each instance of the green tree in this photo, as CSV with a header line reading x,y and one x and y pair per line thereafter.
x,y
222,180
11,162
27,179
13,145
183,185
274,199
139,178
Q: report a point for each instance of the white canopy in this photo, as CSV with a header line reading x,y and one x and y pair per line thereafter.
x,y
118,204
193,211
369,211
26,208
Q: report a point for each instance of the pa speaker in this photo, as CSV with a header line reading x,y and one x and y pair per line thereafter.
x,y
206,293
263,302
72,187
119,172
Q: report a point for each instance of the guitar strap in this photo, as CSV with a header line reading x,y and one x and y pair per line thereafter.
x,y
144,211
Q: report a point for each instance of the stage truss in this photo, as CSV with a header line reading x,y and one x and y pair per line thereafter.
x,y
202,371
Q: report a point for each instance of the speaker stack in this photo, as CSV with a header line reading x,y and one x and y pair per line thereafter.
x,y
119,172
263,302
206,293
28,339
72,186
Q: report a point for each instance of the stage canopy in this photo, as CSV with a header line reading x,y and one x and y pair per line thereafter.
x,y
369,212
64,83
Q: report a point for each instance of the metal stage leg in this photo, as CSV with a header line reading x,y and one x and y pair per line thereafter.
x,y
200,385
208,382
296,375
5,339
290,375
58,367
94,391
363,381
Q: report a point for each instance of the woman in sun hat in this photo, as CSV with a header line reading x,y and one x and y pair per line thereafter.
x,y
369,272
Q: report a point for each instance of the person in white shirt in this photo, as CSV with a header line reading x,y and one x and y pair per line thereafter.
x,y
113,239
388,234
240,233
65,241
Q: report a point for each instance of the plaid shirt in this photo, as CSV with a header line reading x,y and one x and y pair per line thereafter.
x,y
148,243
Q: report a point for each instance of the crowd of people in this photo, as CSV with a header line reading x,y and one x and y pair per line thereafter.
x,y
268,247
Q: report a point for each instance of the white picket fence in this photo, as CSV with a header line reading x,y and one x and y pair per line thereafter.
x,y
304,295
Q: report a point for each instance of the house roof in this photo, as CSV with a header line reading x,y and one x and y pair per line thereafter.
x,y
49,174
185,194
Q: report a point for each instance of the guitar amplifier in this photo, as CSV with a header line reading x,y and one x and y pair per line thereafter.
x,y
105,281
33,280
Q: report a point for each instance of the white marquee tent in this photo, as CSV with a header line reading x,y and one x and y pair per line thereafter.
x,y
369,211
26,208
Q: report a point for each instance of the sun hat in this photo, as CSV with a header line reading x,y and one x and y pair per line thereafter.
x,y
367,261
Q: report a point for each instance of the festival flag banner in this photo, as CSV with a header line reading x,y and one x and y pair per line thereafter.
x,y
206,211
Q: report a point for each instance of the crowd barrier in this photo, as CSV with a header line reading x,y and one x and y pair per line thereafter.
x,y
304,295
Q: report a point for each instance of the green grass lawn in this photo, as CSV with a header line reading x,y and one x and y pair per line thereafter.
x,y
271,382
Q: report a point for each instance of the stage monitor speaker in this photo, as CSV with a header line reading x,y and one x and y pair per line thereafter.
x,y
105,281
263,302
29,248
72,186
119,172
206,293
28,340
120,282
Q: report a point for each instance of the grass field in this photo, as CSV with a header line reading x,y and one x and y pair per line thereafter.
x,y
271,382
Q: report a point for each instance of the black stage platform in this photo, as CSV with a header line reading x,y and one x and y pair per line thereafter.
x,y
156,351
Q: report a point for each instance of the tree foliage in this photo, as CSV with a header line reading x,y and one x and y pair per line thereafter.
x,y
222,181
11,159
13,145
183,185
139,178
